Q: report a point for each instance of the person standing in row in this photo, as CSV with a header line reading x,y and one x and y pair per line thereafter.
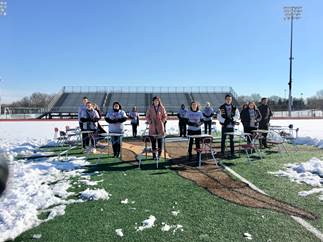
x,y
100,128
134,117
266,114
82,108
208,113
156,117
89,122
116,117
182,121
228,117
194,120
250,118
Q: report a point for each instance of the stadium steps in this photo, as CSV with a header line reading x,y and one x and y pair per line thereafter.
x,y
148,98
108,100
188,98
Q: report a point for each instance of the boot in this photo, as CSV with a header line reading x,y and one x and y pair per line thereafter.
x,y
190,157
114,148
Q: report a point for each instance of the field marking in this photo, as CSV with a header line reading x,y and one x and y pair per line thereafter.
x,y
318,234
309,227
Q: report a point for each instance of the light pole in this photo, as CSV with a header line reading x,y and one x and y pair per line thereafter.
x,y
291,13
3,7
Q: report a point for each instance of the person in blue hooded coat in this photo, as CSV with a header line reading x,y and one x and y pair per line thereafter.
x,y
208,113
182,121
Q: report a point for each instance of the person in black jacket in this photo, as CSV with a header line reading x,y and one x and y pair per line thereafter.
x,y
250,118
89,119
228,115
100,128
266,114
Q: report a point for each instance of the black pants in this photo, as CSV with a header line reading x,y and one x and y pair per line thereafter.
x,y
223,138
85,139
197,141
159,143
182,128
116,145
249,130
264,126
207,126
134,130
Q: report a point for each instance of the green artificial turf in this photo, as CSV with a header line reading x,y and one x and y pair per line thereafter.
x,y
157,192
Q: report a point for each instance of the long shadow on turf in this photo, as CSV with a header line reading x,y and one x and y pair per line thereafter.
x,y
218,182
124,166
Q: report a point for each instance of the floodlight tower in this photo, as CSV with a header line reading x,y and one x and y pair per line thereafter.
x,y
291,13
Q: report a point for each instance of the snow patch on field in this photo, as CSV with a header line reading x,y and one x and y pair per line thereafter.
x,y
96,194
36,187
119,232
90,183
247,236
310,172
166,227
147,223
309,141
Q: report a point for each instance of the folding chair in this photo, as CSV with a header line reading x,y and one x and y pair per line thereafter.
x,y
274,138
206,147
250,145
148,149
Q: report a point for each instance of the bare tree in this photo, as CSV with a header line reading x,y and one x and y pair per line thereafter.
x,y
36,99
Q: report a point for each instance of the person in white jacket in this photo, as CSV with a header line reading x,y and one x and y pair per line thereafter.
x,y
116,117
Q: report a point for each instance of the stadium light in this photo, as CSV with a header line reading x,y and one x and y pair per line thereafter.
x,y
3,7
291,13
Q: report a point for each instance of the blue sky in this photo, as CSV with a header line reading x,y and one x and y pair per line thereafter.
x,y
45,45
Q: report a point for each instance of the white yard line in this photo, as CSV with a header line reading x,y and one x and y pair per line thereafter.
x,y
318,234
309,227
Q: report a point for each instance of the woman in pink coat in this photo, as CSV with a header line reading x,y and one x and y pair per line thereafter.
x,y
156,117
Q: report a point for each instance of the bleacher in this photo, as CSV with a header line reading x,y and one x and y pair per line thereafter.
x,y
173,101
215,99
67,102
128,100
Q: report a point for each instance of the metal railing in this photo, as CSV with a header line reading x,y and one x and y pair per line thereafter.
x,y
149,89
309,113
55,99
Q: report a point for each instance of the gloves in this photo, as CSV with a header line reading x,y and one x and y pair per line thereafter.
x,y
111,121
85,119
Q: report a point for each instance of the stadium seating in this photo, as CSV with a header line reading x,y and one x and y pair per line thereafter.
x,y
66,104
69,102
